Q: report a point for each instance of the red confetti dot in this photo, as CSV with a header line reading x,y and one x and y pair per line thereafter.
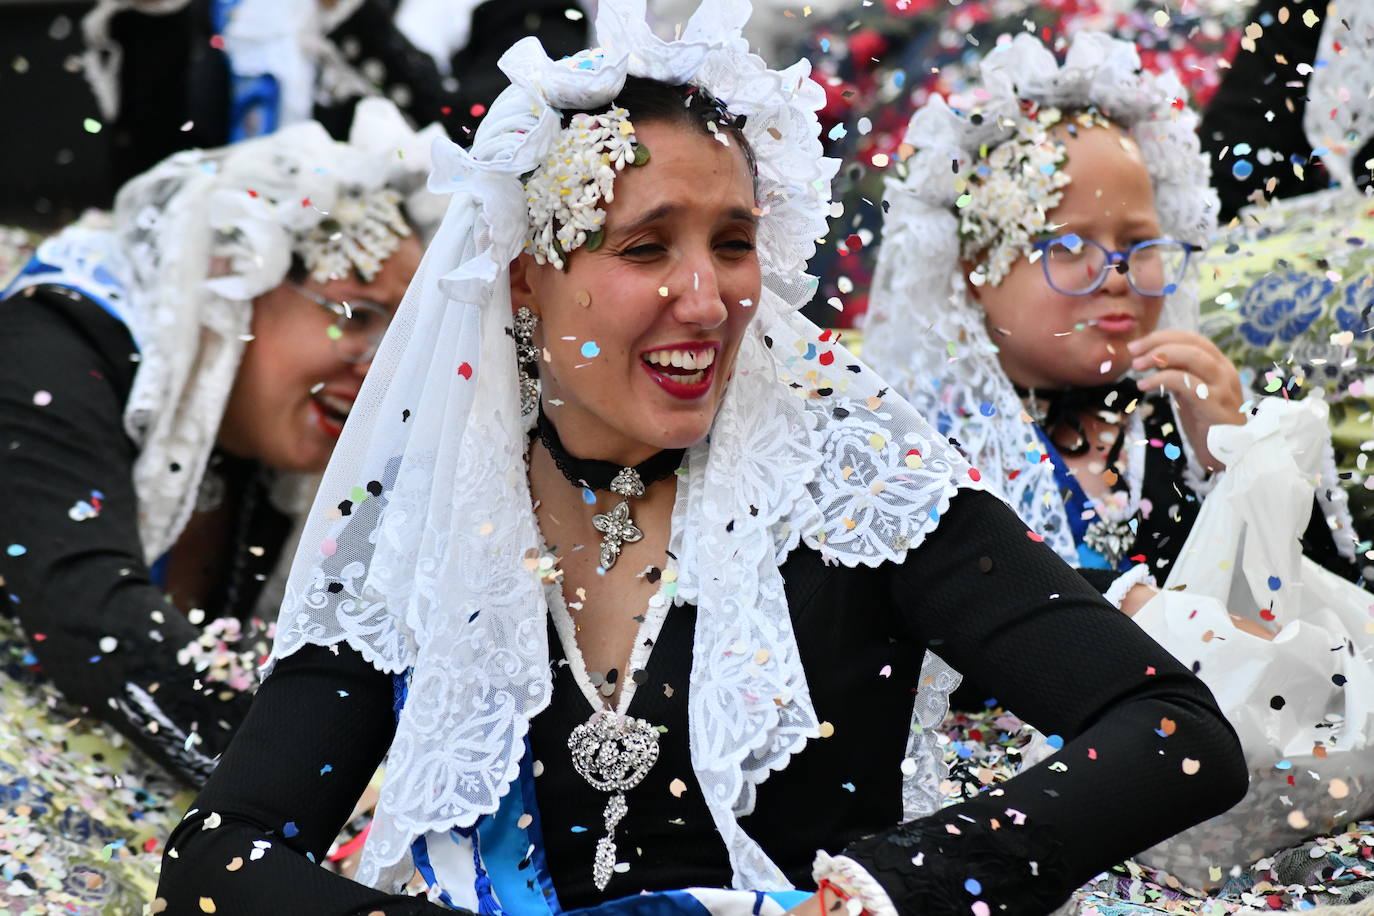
x,y
827,358
1149,670
477,110
150,844
1138,558
465,371
446,110
1092,753
975,475
854,243
1035,537
305,202
825,335
217,42
1178,104
252,193
1266,614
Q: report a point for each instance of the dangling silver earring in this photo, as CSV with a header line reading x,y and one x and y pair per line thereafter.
x,y
527,360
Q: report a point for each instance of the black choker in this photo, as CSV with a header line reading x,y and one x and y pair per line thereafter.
x,y
1064,405
616,526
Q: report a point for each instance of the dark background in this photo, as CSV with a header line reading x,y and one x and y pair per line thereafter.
x,y
51,166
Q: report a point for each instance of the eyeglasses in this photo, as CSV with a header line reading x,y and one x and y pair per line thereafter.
x,y
1075,266
358,325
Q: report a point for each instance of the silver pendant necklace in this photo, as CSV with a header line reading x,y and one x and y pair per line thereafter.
x,y
616,526
614,753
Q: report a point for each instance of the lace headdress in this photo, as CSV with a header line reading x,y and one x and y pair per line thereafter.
x,y
193,240
924,332
415,552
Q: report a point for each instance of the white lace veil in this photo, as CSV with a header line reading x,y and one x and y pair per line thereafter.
x,y
927,336
1339,116
191,242
415,551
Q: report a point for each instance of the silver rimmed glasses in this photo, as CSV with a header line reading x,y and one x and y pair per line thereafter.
x,y
1075,266
358,325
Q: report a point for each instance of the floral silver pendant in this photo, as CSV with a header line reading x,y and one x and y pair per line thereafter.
x,y
613,753
1110,538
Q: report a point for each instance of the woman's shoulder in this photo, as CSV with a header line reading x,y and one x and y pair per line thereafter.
x,y
56,326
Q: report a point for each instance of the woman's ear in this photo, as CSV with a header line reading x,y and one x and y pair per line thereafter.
x,y
521,287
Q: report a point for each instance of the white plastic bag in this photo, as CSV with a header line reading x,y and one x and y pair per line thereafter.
x,y
1302,704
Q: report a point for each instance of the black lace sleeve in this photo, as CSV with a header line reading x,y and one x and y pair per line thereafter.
x,y
318,729
76,580
1145,754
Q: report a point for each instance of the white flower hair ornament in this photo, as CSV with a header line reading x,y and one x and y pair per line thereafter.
x,y
426,571
978,188
565,192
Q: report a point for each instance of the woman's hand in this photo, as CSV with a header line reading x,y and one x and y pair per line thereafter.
x,y
1135,599
1204,383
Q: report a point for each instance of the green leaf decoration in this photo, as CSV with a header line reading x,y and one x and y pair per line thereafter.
x,y
641,154
595,239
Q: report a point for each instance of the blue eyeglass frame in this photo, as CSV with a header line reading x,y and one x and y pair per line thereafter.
x,y
1112,260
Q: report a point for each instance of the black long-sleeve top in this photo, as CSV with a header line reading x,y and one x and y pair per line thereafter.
x,y
980,592
75,583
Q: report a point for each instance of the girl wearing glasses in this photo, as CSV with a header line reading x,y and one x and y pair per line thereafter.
x,y
169,386
1034,295
1037,266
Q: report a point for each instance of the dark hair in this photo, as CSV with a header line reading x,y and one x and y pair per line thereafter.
x,y
649,100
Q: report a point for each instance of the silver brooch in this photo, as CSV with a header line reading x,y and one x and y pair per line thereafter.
x,y
613,753
1110,538
616,526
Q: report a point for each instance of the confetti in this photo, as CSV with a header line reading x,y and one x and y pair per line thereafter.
x,y
677,787
42,398
1191,766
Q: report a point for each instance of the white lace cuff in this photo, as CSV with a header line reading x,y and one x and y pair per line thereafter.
x,y
1138,574
853,879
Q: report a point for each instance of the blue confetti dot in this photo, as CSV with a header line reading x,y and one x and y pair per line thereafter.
x,y
590,349
16,550
1284,765
1242,169
810,351
986,409
579,829
899,78
1054,741
825,45
588,497
29,659
973,887
290,829
963,750
1072,240
1275,583
847,786
1049,168
1170,289
1241,149
1172,451
326,769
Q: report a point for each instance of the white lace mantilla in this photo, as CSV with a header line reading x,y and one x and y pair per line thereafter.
x,y
420,549
928,337
1339,116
